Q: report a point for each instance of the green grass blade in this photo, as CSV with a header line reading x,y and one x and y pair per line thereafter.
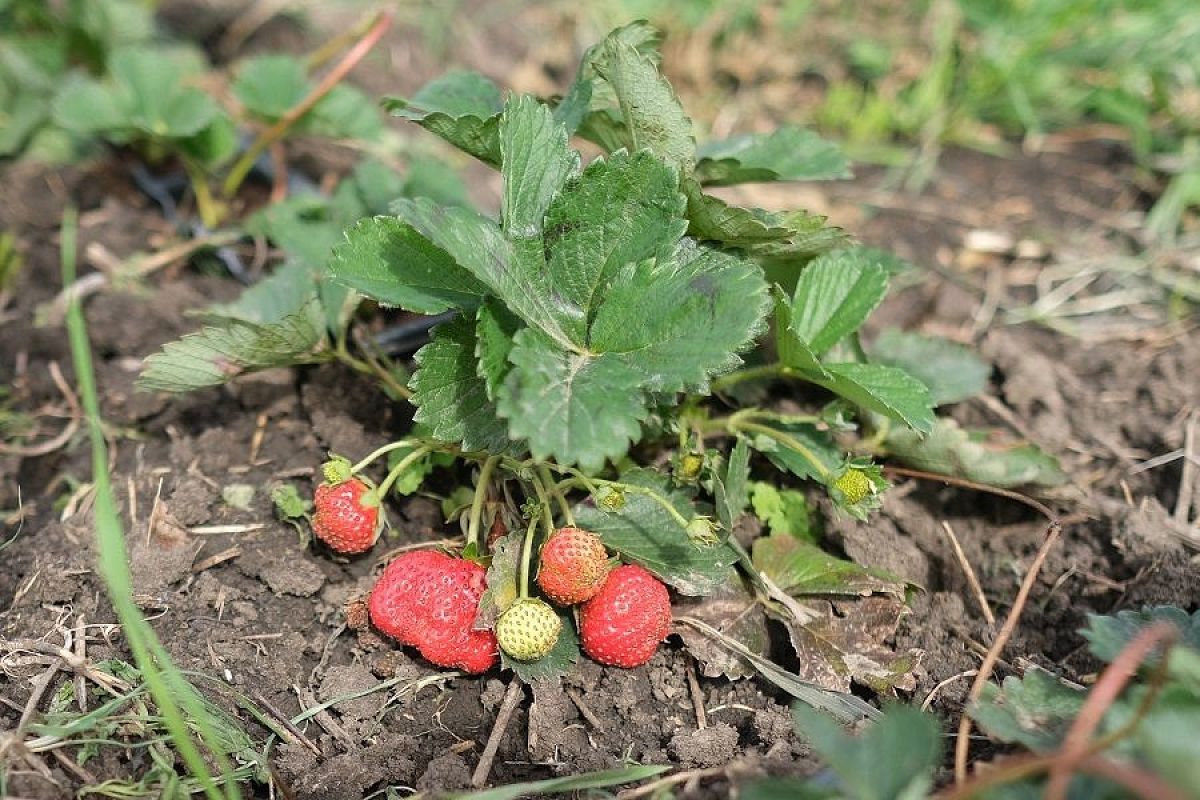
x,y
171,692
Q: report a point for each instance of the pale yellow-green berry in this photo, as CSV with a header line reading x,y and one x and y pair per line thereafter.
x,y
528,630
854,486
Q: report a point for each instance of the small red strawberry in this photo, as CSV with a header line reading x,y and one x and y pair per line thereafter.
x,y
429,600
346,518
623,624
573,567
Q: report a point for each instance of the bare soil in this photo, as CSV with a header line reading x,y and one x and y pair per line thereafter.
x,y
255,610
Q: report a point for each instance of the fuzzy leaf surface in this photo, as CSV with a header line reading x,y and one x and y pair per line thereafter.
x,y
951,371
682,322
834,296
792,235
575,408
643,532
214,355
886,390
450,397
788,153
650,109
389,261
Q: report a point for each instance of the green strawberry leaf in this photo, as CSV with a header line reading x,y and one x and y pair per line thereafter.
x,y
788,153
951,371
269,85
894,758
800,448
681,322
792,350
886,390
84,105
535,163
215,355
283,292
800,567
345,113
1109,635
731,491
478,245
390,262
644,533
576,408
977,455
461,107
650,110
621,210
450,397
792,236
834,296
495,328
785,511
556,663
1034,711
153,81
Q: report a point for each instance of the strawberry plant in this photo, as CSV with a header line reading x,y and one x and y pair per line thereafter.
x,y
601,358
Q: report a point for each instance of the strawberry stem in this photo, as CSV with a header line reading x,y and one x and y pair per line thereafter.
x,y
481,489
552,487
387,448
527,556
399,469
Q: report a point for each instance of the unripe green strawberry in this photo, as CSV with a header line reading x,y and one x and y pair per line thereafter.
x,y
854,486
573,567
528,630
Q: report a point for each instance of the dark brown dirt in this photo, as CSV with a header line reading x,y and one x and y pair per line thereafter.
x,y
255,610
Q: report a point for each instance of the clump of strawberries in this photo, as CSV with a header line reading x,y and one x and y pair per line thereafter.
x,y
429,600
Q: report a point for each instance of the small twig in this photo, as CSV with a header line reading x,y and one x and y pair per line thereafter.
x,y
961,746
584,711
296,734
512,697
671,780
972,579
1075,744
1187,480
64,436
324,718
138,266
697,695
963,483
217,558
81,654
933,693
39,688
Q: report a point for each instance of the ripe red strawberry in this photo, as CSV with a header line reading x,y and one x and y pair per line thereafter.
x,y
623,624
429,600
573,567
344,519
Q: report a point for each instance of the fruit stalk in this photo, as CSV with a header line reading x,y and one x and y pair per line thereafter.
x,y
398,470
387,448
551,487
481,488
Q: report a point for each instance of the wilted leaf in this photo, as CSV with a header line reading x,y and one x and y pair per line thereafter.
x,y
978,455
801,568
502,576
732,609
847,645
